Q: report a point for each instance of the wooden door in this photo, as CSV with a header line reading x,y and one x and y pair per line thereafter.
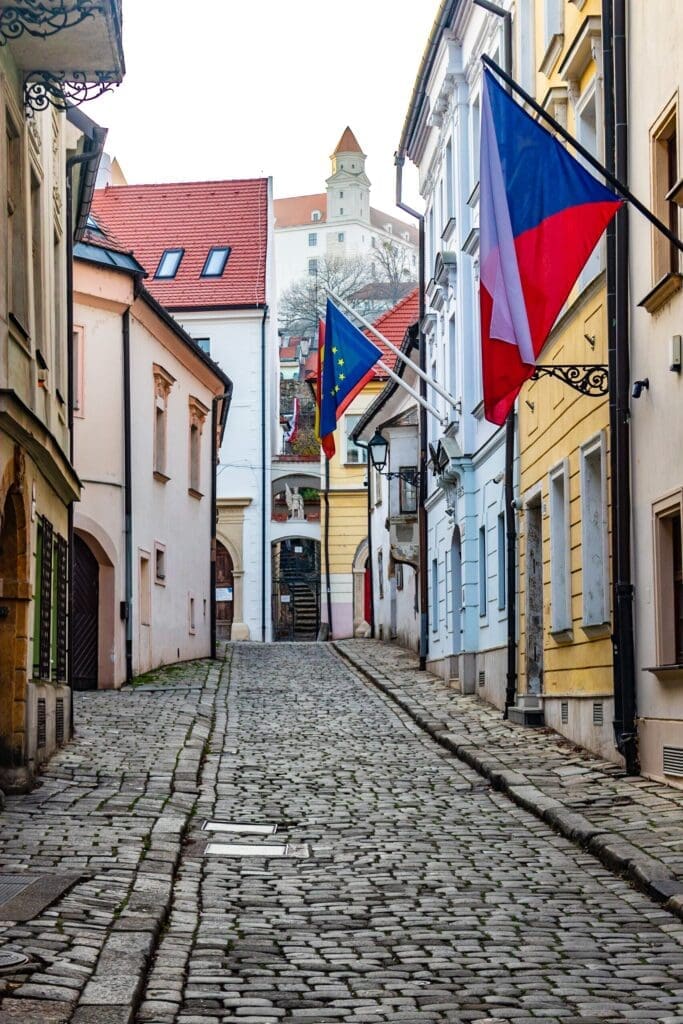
x,y
225,592
86,616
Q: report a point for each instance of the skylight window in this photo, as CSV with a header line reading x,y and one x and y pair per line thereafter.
x,y
169,263
215,261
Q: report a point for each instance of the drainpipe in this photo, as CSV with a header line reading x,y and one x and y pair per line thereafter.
x,y
225,398
616,117
360,444
263,474
510,523
127,495
399,161
71,162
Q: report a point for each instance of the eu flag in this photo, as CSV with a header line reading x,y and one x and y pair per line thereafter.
x,y
347,358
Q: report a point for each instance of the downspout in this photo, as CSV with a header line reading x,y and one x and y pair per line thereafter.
x,y
127,494
225,398
71,162
399,161
263,474
359,444
616,117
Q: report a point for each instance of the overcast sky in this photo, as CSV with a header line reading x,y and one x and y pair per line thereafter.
x,y
243,88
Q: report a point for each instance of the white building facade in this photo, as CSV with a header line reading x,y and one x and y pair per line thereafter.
x,y
465,564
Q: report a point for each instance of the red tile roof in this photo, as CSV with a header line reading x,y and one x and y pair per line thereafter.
x,y
297,210
348,143
194,216
289,352
393,325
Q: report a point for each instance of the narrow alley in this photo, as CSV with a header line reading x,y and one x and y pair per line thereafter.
x,y
409,890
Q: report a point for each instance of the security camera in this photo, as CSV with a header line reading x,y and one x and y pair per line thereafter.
x,y
638,386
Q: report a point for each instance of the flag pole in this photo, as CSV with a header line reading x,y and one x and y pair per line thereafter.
x,y
617,185
413,394
395,349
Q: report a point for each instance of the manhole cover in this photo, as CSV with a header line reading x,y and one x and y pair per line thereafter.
x,y
9,960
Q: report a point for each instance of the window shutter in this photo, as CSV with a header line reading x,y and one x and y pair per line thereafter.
x,y
62,590
46,600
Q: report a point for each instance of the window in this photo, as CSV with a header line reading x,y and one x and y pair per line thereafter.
x,y
380,574
353,455
169,263
313,238
340,236
376,486
163,382
587,134
560,552
407,489
160,564
341,195
59,316
482,571
215,261
435,595
192,625
16,228
312,267
315,215
664,177
37,258
198,414
668,521
553,21
204,344
452,369
450,201
145,584
594,533
476,134
79,367
501,561
341,211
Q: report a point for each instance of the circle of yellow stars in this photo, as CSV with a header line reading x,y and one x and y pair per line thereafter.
x,y
338,376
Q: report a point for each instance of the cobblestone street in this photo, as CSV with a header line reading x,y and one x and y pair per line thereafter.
x,y
411,890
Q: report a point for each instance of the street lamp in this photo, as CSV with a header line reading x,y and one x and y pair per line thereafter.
x,y
378,447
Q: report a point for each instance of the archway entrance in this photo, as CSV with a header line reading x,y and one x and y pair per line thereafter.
x,y
13,626
86,617
296,589
225,592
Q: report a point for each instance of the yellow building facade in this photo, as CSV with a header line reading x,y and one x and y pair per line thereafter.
x,y
565,650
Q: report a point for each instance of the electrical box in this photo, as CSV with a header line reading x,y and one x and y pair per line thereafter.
x,y
675,360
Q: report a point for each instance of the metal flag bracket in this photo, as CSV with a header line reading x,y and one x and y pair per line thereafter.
x,y
591,379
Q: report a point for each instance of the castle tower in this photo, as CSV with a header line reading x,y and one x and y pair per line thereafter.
x,y
348,187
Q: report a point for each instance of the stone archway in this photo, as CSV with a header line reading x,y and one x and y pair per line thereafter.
x,y
14,615
361,627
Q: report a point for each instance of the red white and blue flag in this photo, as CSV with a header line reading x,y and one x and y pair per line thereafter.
x,y
541,215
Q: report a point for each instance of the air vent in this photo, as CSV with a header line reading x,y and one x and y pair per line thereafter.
x,y
59,721
673,761
42,723
564,712
482,678
598,713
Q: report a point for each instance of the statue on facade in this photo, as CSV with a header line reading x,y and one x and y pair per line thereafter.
x,y
295,503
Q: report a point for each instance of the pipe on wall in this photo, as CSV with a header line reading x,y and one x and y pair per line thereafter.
x,y
127,494
264,482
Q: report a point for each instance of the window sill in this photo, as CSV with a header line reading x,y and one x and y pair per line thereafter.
x,y
667,671
562,636
597,630
161,477
665,288
160,581
195,494
552,54
17,328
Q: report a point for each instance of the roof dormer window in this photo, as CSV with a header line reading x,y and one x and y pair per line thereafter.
x,y
215,261
315,215
169,263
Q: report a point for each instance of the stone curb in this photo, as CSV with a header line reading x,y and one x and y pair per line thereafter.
x,y
647,873
113,993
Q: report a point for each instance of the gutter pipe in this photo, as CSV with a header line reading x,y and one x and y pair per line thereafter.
x,y
127,495
399,162
616,105
216,439
263,474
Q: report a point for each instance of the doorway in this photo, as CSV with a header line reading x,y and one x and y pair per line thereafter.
x,y
534,596
225,592
456,592
86,617
13,627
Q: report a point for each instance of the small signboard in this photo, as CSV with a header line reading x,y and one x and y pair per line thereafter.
x,y
224,593
298,550
284,598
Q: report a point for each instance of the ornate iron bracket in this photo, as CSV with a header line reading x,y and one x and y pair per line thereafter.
x,y
62,91
591,380
38,18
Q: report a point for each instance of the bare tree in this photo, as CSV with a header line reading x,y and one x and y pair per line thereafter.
x,y
304,301
393,266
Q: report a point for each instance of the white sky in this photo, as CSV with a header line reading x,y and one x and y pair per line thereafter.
x,y
243,88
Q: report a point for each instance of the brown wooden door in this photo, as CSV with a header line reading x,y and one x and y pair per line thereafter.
x,y
225,592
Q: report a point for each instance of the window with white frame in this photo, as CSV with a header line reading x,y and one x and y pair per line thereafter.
x,y
354,455
594,533
435,595
553,21
79,370
587,122
668,570
313,267
501,561
475,135
526,43
160,564
482,571
17,249
163,382
452,367
560,552
450,184
313,238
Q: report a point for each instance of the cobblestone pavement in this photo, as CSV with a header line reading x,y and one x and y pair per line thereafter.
x,y
413,890
634,825
428,896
